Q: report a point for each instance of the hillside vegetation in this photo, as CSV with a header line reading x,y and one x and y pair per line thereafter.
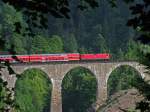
x,y
99,30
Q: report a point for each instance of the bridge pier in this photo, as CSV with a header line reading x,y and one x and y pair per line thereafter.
x,y
11,80
56,100
101,96
100,73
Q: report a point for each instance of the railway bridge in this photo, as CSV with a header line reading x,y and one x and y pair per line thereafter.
x,y
57,70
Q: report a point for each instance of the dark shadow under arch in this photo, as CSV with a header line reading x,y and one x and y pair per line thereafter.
x,y
33,91
79,90
121,78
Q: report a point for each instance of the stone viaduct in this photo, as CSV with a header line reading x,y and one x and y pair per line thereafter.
x,y
57,70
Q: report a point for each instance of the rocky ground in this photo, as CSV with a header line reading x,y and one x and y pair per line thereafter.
x,y
121,101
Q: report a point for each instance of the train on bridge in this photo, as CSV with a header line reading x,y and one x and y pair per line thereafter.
x,y
53,57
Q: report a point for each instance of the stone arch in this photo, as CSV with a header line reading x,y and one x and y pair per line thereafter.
x,y
134,66
37,68
45,75
23,69
84,67
89,70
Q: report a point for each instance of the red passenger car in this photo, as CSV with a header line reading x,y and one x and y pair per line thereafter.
x,y
9,58
6,58
73,56
54,57
35,58
22,58
94,56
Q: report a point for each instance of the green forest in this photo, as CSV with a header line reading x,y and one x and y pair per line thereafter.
x,y
88,32
99,30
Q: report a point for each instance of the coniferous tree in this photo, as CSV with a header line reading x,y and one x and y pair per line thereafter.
x,y
70,44
132,52
56,44
12,25
40,45
100,44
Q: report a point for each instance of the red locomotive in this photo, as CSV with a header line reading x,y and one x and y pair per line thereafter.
x,y
54,57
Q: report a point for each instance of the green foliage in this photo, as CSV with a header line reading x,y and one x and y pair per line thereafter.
x,y
78,90
83,50
71,45
59,9
83,33
100,44
122,78
17,42
11,17
12,28
32,92
42,44
132,50
120,55
84,28
56,44
145,55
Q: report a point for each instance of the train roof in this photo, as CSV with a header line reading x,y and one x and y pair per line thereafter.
x,y
36,54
